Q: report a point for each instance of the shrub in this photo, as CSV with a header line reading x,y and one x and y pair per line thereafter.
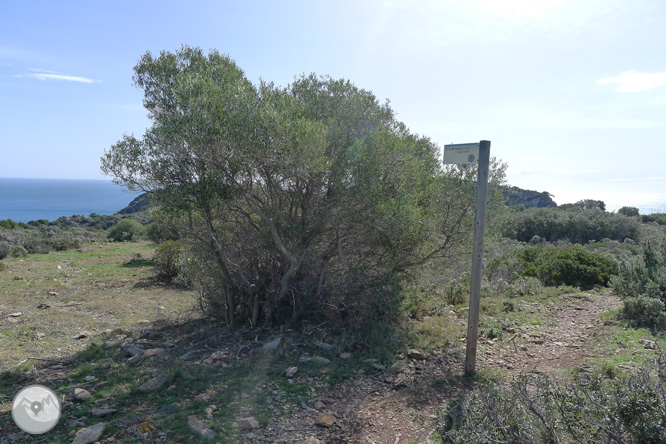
x,y
569,266
8,224
126,230
5,249
167,258
538,409
575,224
628,211
642,284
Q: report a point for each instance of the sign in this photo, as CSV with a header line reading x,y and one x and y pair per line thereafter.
x,y
462,153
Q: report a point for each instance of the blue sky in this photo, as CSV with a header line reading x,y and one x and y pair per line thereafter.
x,y
572,93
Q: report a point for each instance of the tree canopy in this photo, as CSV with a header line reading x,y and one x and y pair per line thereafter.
x,y
310,199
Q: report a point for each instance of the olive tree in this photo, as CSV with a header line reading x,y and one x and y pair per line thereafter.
x,y
310,199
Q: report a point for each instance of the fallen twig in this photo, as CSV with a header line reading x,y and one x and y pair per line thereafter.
x,y
36,359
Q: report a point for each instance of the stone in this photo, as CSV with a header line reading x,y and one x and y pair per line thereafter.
x,y
290,372
416,354
325,420
327,347
189,356
90,378
43,306
311,440
135,360
377,366
200,427
304,359
53,293
80,394
99,412
81,335
321,360
273,345
132,350
160,352
249,423
319,405
153,384
345,356
15,314
647,344
90,434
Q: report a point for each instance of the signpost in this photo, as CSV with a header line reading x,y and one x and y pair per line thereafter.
x,y
465,154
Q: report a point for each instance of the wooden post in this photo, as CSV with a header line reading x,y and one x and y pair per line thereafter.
x,y
477,258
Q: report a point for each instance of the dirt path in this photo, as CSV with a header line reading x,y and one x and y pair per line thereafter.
x,y
398,406
559,344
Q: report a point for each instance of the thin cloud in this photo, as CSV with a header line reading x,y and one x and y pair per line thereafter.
x,y
652,179
632,81
556,171
42,74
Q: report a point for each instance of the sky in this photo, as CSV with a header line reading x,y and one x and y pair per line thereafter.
x,y
571,93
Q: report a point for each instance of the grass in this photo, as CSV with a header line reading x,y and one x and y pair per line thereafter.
x,y
109,291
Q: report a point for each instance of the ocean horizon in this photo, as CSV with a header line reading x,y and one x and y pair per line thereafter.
x,y
24,200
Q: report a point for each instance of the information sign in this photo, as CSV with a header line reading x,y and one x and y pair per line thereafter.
x,y
462,153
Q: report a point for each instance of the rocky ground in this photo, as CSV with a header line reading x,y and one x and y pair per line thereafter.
x,y
399,406
181,368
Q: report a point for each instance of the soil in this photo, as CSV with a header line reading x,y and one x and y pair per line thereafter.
x,y
399,406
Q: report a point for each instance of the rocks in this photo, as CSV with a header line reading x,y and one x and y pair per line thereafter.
x,y
135,360
189,356
649,345
327,347
132,350
43,306
159,352
81,335
345,356
311,440
99,412
325,420
90,378
153,384
199,426
89,434
273,345
79,394
53,293
321,360
416,354
16,314
249,423
290,372
319,405
305,359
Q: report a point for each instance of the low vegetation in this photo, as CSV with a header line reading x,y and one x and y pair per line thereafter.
x,y
311,214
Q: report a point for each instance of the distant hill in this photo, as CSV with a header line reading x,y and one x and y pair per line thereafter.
x,y
140,203
529,198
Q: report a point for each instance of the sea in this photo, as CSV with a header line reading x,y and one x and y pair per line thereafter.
x,y
23,200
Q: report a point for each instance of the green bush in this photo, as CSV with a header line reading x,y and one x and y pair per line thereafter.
x,y
568,266
167,259
8,224
539,409
126,230
5,249
642,284
628,211
575,224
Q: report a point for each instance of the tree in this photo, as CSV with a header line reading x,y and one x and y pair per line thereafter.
x,y
306,200
628,211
